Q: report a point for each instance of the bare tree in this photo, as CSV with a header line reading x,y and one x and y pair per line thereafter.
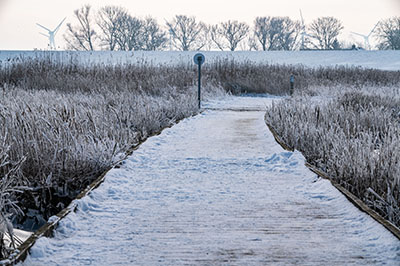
x,y
153,37
288,33
109,19
229,34
388,32
277,33
262,28
121,31
216,37
325,31
81,36
129,33
187,34
252,43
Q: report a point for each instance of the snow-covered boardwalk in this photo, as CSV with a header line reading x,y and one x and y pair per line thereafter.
x,y
216,189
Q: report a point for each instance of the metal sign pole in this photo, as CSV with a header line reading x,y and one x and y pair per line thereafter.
x,y
199,60
199,89
291,84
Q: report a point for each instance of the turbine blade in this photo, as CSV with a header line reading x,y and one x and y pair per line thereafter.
x,y
302,19
43,27
44,35
362,35
373,29
56,29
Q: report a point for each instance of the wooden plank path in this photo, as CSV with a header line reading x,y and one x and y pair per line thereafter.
x,y
216,189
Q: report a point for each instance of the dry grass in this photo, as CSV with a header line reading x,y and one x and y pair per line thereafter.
x,y
274,79
8,205
70,123
69,139
353,136
63,123
234,77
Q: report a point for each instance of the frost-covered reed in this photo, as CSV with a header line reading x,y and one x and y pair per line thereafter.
x,y
241,77
353,136
63,123
235,77
9,173
69,124
68,139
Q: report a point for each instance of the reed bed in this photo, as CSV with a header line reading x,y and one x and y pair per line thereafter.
x,y
64,123
61,126
353,135
248,77
69,139
234,77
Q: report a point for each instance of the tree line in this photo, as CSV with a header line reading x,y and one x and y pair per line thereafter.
x,y
113,28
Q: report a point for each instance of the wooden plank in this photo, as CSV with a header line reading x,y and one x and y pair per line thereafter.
x,y
357,202
47,229
350,196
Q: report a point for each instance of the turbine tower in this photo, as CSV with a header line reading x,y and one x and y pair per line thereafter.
x,y
303,32
366,37
51,34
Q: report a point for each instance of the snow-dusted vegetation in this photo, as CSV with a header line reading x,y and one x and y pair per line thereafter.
x,y
64,122
352,134
62,125
274,79
384,60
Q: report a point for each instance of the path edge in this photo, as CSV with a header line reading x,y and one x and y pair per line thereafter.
x,y
47,230
350,196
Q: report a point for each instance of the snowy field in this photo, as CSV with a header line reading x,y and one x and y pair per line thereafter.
x,y
385,60
216,189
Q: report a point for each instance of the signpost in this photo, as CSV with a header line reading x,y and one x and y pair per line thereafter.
x,y
199,60
291,84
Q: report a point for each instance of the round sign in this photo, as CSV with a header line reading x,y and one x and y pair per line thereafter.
x,y
199,59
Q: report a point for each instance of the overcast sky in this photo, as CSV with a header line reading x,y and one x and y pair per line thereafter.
x,y
18,18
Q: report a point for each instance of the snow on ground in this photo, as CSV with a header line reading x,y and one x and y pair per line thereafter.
x,y
20,236
386,60
216,189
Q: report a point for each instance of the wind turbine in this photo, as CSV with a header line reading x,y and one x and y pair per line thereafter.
x,y
366,37
303,32
51,34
